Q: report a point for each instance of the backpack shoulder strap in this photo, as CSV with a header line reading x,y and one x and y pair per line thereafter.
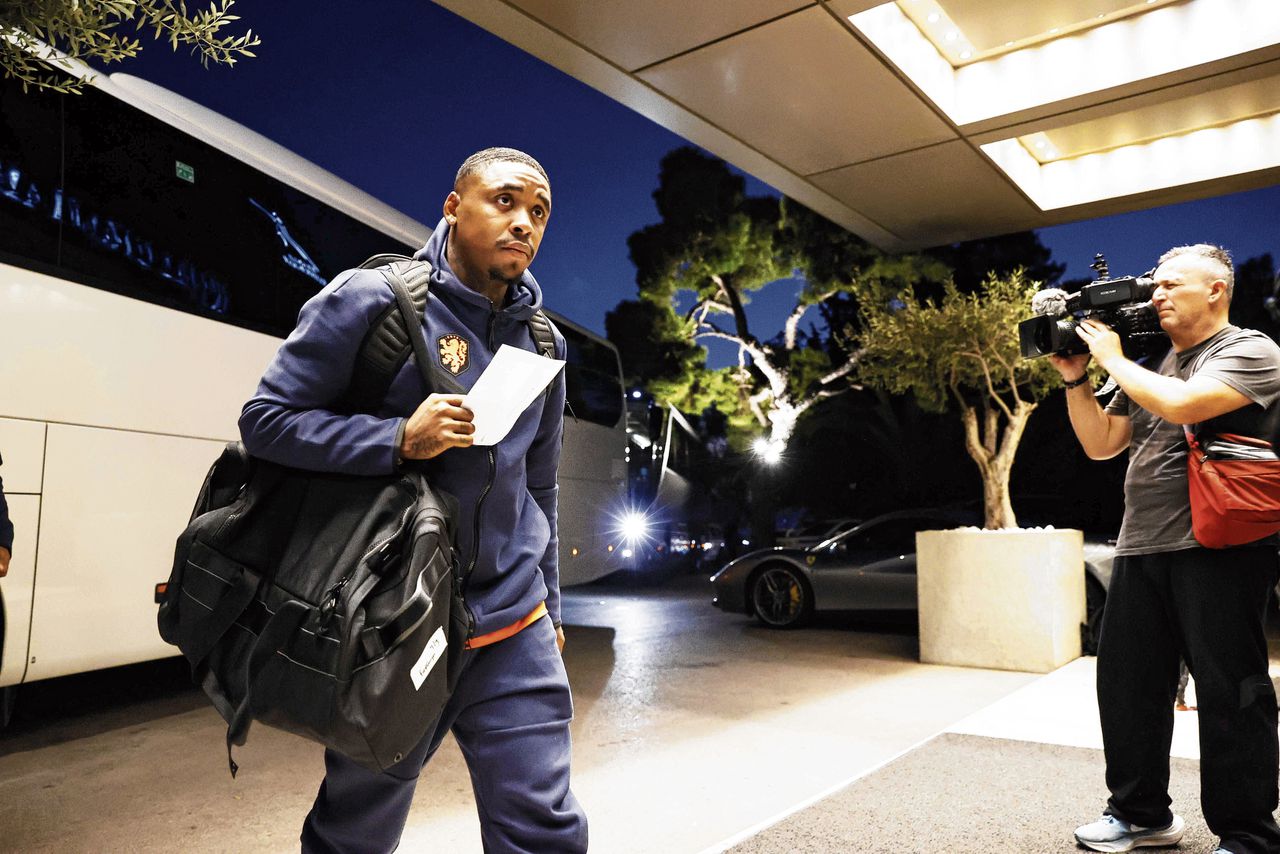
x,y
544,341
543,332
386,346
383,259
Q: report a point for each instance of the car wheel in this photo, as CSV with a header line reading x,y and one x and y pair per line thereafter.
x,y
781,597
1095,600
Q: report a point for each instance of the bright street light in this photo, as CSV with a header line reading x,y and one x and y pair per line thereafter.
x,y
769,452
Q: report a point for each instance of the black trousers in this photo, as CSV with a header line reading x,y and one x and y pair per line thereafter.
x,y
1209,606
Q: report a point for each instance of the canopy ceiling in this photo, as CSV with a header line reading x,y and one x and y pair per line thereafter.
x,y
922,122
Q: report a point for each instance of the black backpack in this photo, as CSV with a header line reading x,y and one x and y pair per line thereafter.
x,y
328,605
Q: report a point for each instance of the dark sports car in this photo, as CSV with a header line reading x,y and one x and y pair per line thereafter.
x,y
870,566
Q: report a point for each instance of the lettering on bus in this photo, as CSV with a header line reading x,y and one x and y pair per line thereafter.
x,y
106,233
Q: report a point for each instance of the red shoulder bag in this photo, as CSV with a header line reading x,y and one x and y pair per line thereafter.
x,y
1235,489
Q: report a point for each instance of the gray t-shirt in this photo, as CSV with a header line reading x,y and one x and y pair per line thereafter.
x,y
1157,509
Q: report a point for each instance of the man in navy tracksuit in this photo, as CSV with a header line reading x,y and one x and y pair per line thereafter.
x,y
511,710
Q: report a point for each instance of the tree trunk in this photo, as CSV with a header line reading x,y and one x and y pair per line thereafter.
x,y
995,458
996,506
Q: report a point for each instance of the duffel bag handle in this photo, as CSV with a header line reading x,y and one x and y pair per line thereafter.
x,y
377,641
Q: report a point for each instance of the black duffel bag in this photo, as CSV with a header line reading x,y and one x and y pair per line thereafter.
x,y
327,605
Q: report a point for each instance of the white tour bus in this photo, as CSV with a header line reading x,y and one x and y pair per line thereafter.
x,y
153,254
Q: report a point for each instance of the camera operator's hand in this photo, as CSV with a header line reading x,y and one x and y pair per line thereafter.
x,y
1104,343
439,423
1071,367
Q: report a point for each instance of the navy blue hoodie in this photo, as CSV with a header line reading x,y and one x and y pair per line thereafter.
x,y
506,493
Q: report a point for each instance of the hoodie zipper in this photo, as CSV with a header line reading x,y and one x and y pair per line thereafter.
x,y
475,544
488,485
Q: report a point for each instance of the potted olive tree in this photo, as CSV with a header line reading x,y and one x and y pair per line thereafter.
x,y
999,596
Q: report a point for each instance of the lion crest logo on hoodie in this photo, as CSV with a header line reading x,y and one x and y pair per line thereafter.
x,y
455,353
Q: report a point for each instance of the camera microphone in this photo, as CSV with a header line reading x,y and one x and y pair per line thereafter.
x,y
1050,301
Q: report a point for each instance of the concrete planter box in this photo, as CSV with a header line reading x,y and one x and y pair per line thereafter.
x,y
1006,600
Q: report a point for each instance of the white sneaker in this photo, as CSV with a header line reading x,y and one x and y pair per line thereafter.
x,y
1111,834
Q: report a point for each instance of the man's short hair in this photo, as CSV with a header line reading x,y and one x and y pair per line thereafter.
x,y
1218,255
481,160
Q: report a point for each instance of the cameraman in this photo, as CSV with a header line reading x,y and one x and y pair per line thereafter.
x,y
1169,595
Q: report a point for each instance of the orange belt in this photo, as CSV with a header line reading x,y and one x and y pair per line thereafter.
x,y
507,631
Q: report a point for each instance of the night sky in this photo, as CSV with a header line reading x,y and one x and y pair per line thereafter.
x,y
394,97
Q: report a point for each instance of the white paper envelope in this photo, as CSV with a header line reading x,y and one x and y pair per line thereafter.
x,y
506,388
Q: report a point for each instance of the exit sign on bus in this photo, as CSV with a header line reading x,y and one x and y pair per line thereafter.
x,y
184,171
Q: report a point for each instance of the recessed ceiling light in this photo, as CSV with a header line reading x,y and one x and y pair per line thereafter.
x,y
952,35
1039,143
1053,31
966,54
933,17
1008,44
1022,80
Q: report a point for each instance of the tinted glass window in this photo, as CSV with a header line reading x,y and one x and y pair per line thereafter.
x,y
681,449
894,534
592,380
899,535
30,173
153,213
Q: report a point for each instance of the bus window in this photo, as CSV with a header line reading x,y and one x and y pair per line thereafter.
x,y
30,166
592,381
680,449
155,214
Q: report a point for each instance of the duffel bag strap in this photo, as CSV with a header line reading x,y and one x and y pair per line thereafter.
x,y
214,691
275,634
222,618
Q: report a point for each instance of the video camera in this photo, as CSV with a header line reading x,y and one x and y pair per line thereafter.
x,y
1124,304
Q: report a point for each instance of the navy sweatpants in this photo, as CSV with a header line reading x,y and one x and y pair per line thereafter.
x,y
1209,606
510,715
